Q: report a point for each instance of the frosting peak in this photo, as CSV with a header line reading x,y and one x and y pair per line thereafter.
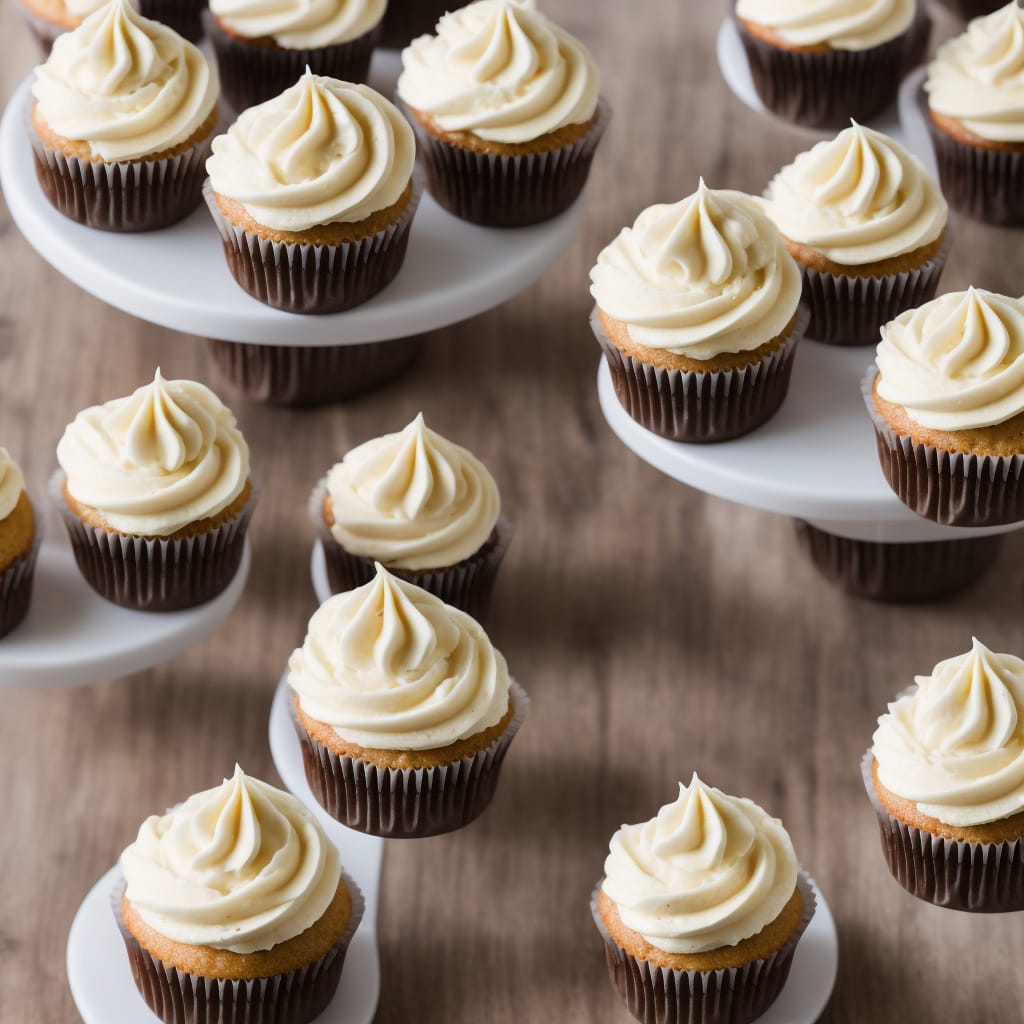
x,y
300,24
12,483
840,24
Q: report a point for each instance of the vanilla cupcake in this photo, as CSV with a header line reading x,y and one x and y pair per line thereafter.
x,y
19,545
947,402
507,110
404,710
701,908
698,313
945,775
867,225
263,49
124,113
974,106
235,906
155,493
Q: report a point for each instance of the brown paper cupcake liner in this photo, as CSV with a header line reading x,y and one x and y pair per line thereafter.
x,y
294,997
314,279
153,574
507,191
848,310
467,585
968,9
251,74
734,995
16,586
184,16
701,407
951,488
898,573
981,878
407,803
404,20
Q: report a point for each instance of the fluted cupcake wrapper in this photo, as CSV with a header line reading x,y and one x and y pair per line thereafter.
x,y
184,16
466,585
251,73
701,407
154,574
981,878
314,279
407,803
951,488
404,20
734,995
898,573
294,997
16,586
849,310
507,191
968,9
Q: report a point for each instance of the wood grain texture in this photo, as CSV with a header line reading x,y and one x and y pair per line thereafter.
x,y
658,631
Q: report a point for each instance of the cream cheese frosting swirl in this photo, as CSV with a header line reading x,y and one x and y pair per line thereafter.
x,y
323,152
956,363
858,198
501,70
390,667
12,483
164,457
710,870
839,24
955,746
700,277
241,867
978,77
413,500
129,87
300,24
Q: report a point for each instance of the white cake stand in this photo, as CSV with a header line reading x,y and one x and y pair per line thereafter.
x,y
73,637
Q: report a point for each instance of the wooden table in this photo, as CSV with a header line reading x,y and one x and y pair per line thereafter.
x,y
658,631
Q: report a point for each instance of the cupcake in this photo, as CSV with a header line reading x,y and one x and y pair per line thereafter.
x,y
945,775
947,402
700,910
867,225
124,113
821,62
425,508
404,710
404,20
234,907
507,113
974,105
698,313
19,545
155,493
263,49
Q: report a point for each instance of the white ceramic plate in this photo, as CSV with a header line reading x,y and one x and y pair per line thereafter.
x,y
915,132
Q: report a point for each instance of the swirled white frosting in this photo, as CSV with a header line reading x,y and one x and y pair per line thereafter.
x,y
710,870
12,483
501,70
978,77
955,746
858,198
413,500
129,87
300,24
701,277
389,666
323,152
241,867
81,9
167,456
956,363
839,24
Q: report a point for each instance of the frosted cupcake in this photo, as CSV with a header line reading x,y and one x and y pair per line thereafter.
x,y
945,775
507,112
947,402
155,493
975,115
425,508
404,710
867,225
263,49
19,545
234,906
124,113
698,313
700,910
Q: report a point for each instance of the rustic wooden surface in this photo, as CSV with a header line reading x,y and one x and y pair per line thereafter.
x,y
657,630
